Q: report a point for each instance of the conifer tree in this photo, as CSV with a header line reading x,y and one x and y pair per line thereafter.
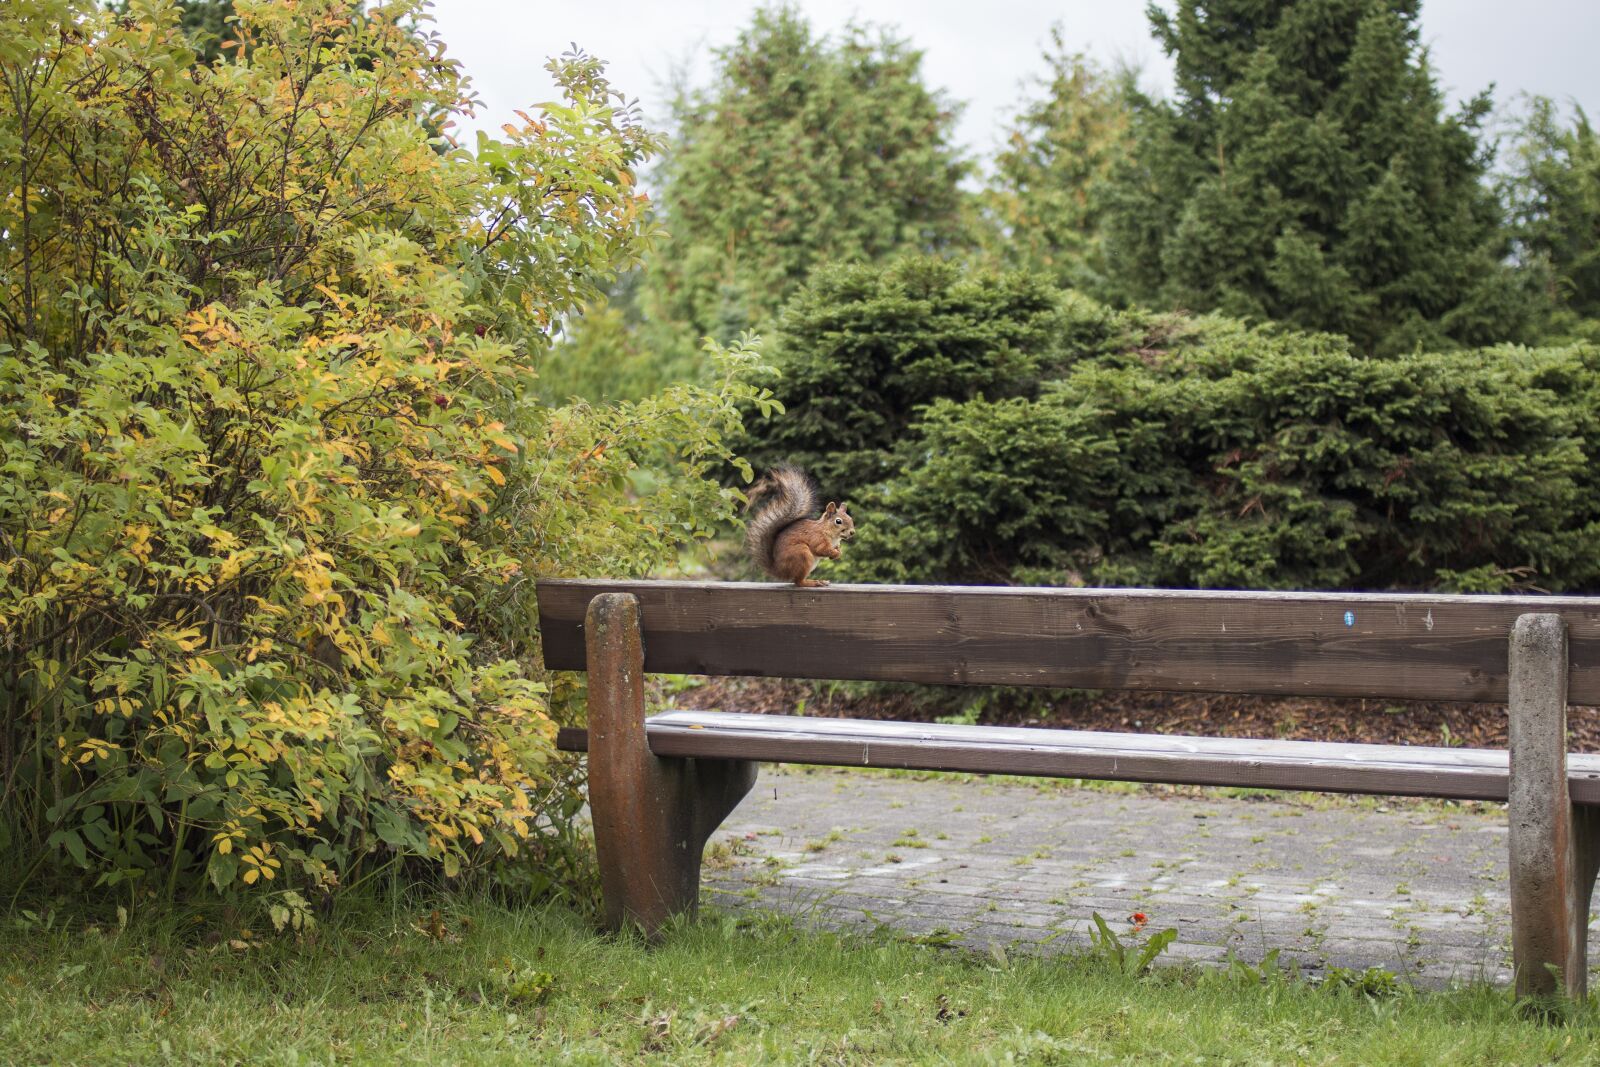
x,y
1046,202
1554,194
802,150
1306,172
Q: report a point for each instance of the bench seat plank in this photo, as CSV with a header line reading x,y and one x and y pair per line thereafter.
x,y
1383,645
1389,770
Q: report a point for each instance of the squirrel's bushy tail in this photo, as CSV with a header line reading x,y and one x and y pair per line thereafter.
x,y
784,495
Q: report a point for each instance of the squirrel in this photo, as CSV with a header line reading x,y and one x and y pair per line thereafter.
x,y
783,538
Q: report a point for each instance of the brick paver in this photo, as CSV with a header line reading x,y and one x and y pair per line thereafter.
x,y
1415,888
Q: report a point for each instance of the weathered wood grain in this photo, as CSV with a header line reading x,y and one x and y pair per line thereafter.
x,y
1399,646
651,815
1554,841
1388,770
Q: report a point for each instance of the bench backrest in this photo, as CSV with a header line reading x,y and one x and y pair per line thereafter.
x,y
1383,645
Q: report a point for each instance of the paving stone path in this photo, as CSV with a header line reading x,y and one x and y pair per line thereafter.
x,y
1415,888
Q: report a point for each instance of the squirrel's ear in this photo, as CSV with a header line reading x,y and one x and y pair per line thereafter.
x,y
831,508
844,507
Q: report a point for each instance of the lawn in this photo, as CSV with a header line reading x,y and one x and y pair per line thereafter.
x,y
469,982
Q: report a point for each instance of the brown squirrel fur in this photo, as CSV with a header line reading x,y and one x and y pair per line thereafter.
x,y
783,538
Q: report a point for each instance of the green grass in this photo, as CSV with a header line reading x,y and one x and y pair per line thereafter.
x,y
481,984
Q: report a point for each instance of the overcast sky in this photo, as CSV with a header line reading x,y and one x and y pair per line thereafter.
x,y
978,53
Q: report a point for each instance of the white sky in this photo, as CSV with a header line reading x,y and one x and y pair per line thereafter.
x,y
978,53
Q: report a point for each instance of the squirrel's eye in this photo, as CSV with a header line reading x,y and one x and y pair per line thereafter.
x,y
838,522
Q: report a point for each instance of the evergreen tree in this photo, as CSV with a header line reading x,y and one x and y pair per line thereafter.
x,y
1306,172
1554,194
802,150
1046,202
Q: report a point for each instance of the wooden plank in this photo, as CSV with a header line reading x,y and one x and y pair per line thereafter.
x,y
651,816
1552,840
1395,645
1388,770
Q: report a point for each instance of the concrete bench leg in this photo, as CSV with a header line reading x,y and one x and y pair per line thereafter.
x,y
652,816
1555,846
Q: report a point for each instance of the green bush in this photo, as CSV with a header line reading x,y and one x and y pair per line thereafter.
x,y
275,484
1277,466
863,347
988,430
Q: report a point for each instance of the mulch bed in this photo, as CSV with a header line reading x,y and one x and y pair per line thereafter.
x,y
1375,721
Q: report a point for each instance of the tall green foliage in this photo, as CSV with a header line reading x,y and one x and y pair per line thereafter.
x,y
274,483
1306,173
1046,201
1553,187
802,151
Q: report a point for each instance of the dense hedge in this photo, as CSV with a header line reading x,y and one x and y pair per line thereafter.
x,y
1085,446
864,347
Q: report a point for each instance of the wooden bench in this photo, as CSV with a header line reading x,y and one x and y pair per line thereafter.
x,y
659,788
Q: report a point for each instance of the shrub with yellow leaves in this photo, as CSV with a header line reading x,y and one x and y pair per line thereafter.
x,y
275,480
